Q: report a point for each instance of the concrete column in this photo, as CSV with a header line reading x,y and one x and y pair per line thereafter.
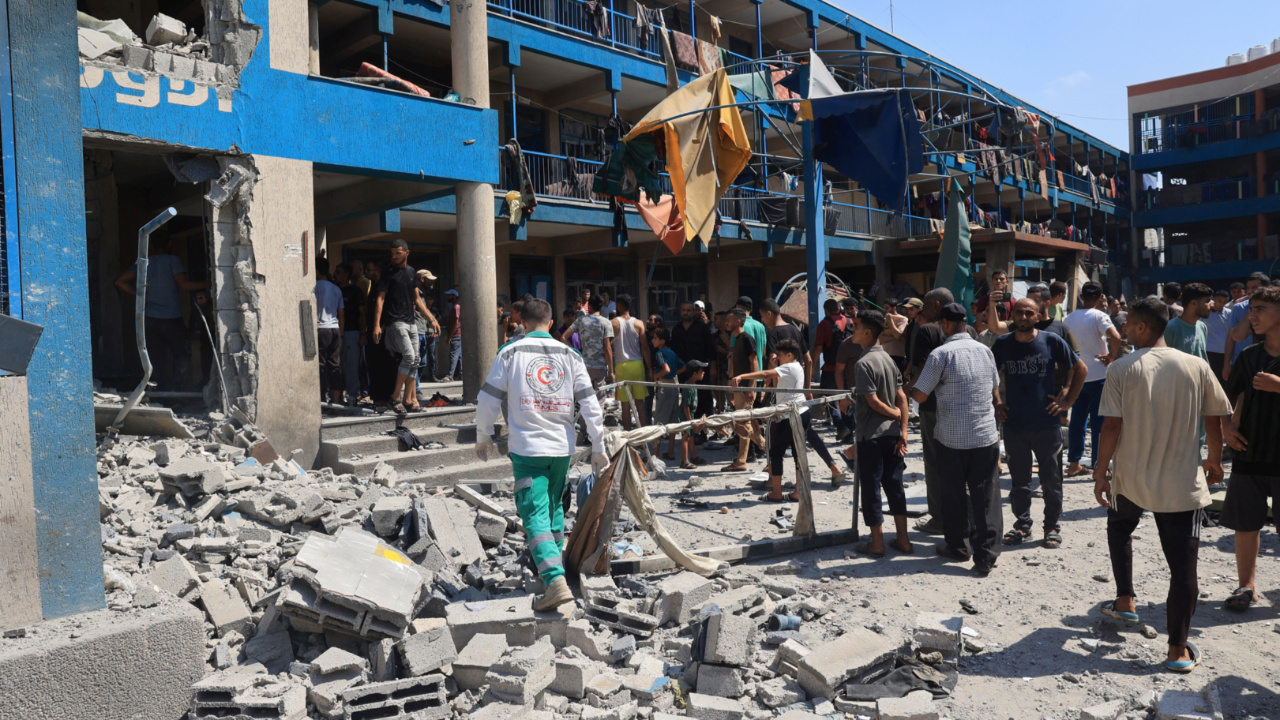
x,y
20,591
477,259
884,274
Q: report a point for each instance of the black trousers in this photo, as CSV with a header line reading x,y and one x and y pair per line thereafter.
x,y
382,370
780,439
1180,541
1046,446
329,353
880,466
1216,361
970,490
704,401
166,347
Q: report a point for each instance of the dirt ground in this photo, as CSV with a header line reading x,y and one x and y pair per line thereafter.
x,y
1035,608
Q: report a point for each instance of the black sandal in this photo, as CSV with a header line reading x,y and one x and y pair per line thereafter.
x,y
399,409
1053,539
768,498
1015,536
1242,599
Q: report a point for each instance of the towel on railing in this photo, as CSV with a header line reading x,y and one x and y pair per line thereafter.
x,y
516,155
708,57
599,15
644,27
686,51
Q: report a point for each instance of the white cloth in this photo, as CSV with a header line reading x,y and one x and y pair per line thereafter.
x,y
328,303
791,377
537,380
1089,329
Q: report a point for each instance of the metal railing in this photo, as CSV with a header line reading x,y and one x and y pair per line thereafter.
x,y
1200,193
1174,135
572,16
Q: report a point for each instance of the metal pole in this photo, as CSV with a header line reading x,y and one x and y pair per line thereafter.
x,y
814,232
140,314
512,76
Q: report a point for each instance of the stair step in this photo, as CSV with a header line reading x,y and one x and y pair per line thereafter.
x,y
337,428
418,461
336,450
483,476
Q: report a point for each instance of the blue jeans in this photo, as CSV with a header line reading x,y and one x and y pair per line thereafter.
x,y
427,358
351,364
1085,412
455,357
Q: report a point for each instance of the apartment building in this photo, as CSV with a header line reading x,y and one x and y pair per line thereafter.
x,y
1206,172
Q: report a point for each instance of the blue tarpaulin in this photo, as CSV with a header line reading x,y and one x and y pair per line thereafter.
x,y
873,137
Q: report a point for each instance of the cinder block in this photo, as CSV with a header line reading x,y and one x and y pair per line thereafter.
x,y
226,610
136,56
164,29
273,650
476,658
850,656
1188,705
788,658
183,68
382,660
387,514
737,600
192,476
572,676
234,693
917,705
682,595
1105,711
420,698
491,528
720,680
512,618
175,576
597,646
426,651
710,707
940,632
162,62
519,675
729,639
645,686
336,660
780,692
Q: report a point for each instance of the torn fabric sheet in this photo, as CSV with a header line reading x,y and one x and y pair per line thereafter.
x,y
663,218
954,256
705,150
627,170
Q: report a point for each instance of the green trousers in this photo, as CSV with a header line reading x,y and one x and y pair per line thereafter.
x,y
539,492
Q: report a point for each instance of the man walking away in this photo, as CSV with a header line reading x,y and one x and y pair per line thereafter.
x,y
166,332
330,327
1187,332
1099,344
537,380
630,361
396,299
453,329
1172,294
1153,402
1031,362
928,338
1216,344
1253,433
595,333
881,433
962,373
743,359
352,328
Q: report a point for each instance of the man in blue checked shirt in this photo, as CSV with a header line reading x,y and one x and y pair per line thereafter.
x,y
962,374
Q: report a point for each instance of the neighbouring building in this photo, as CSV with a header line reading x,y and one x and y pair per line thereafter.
x,y
1206,173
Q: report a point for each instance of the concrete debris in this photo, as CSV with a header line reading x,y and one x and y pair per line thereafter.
x,y
681,595
234,693
854,656
729,639
420,698
916,705
939,632
1189,705
164,29
428,650
473,663
94,44
1105,711
522,673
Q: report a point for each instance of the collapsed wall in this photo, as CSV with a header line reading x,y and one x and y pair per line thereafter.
x,y
236,283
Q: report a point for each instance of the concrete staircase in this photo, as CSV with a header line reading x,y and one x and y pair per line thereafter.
x,y
357,444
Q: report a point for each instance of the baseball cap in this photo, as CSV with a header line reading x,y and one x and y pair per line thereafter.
x,y
426,274
700,304
953,312
915,303
1091,289
451,292
696,364
746,302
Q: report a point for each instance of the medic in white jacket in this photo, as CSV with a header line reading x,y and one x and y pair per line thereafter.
x,y
537,379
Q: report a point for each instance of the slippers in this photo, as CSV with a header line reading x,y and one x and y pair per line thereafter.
x,y
1015,536
838,479
730,468
1242,599
399,409
865,549
1109,609
689,466
767,498
1080,473
1184,666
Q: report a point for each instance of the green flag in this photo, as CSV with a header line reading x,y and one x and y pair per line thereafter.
x,y
955,264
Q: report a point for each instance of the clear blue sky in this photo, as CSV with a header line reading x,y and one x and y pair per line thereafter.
x,y
1076,58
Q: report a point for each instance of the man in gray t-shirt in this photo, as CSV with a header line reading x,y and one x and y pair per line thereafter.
x,y
881,411
166,333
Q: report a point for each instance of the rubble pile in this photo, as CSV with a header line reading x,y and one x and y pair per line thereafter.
x,y
169,48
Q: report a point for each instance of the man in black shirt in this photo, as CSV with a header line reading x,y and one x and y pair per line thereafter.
x,y
1253,432
397,296
778,329
691,340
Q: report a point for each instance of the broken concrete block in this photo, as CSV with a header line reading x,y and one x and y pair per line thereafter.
x,y
273,650
916,705
174,576
491,528
354,584
597,646
729,639
624,647
737,600
387,514
452,526
594,587
426,651
720,680
325,691
573,674
940,632
382,660
1189,705
681,595
420,698
226,610
621,615
336,660
384,475
192,476
147,595
787,661
519,675
476,658
512,618
224,188
645,686
164,29
710,707
851,656
1105,711
235,693
780,692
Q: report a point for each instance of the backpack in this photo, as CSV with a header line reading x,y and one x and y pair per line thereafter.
x,y
838,335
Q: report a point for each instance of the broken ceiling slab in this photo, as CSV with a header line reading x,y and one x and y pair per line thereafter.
x,y
353,584
141,421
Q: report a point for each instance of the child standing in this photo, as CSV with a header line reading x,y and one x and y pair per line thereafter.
x,y
666,366
689,459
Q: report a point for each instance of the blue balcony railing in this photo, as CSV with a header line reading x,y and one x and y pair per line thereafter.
x,y
1199,193
1173,135
571,16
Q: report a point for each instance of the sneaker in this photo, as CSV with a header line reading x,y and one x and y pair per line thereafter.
x,y
929,527
557,594
951,553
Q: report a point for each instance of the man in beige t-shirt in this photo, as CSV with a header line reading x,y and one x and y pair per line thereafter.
x,y
1152,403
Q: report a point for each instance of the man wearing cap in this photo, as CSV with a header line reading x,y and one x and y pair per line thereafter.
x,y
428,330
397,298
894,337
961,373
453,329
1099,343
537,380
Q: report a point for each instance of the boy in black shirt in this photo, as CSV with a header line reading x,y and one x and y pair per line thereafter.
x,y
1254,387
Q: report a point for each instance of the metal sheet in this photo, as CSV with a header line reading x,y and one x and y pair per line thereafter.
x,y
141,421
18,340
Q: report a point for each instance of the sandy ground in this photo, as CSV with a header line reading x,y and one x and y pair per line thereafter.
x,y
1035,608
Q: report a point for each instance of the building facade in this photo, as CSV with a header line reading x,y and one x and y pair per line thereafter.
x,y
1206,165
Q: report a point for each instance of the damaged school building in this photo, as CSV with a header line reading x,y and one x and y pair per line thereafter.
x,y
280,131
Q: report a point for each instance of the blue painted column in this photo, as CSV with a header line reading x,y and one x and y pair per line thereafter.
x,y
49,185
815,236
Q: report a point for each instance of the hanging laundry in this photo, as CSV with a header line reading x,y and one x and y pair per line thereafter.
x,y
515,207
779,91
663,218
708,57
628,170
821,82
705,150
686,51
516,156
599,15
715,28
757,85
788,182
872,136
644,28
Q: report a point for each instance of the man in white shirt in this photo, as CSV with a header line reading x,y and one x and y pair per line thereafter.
x,y
538,380
1217,322
1153,403
1098,342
